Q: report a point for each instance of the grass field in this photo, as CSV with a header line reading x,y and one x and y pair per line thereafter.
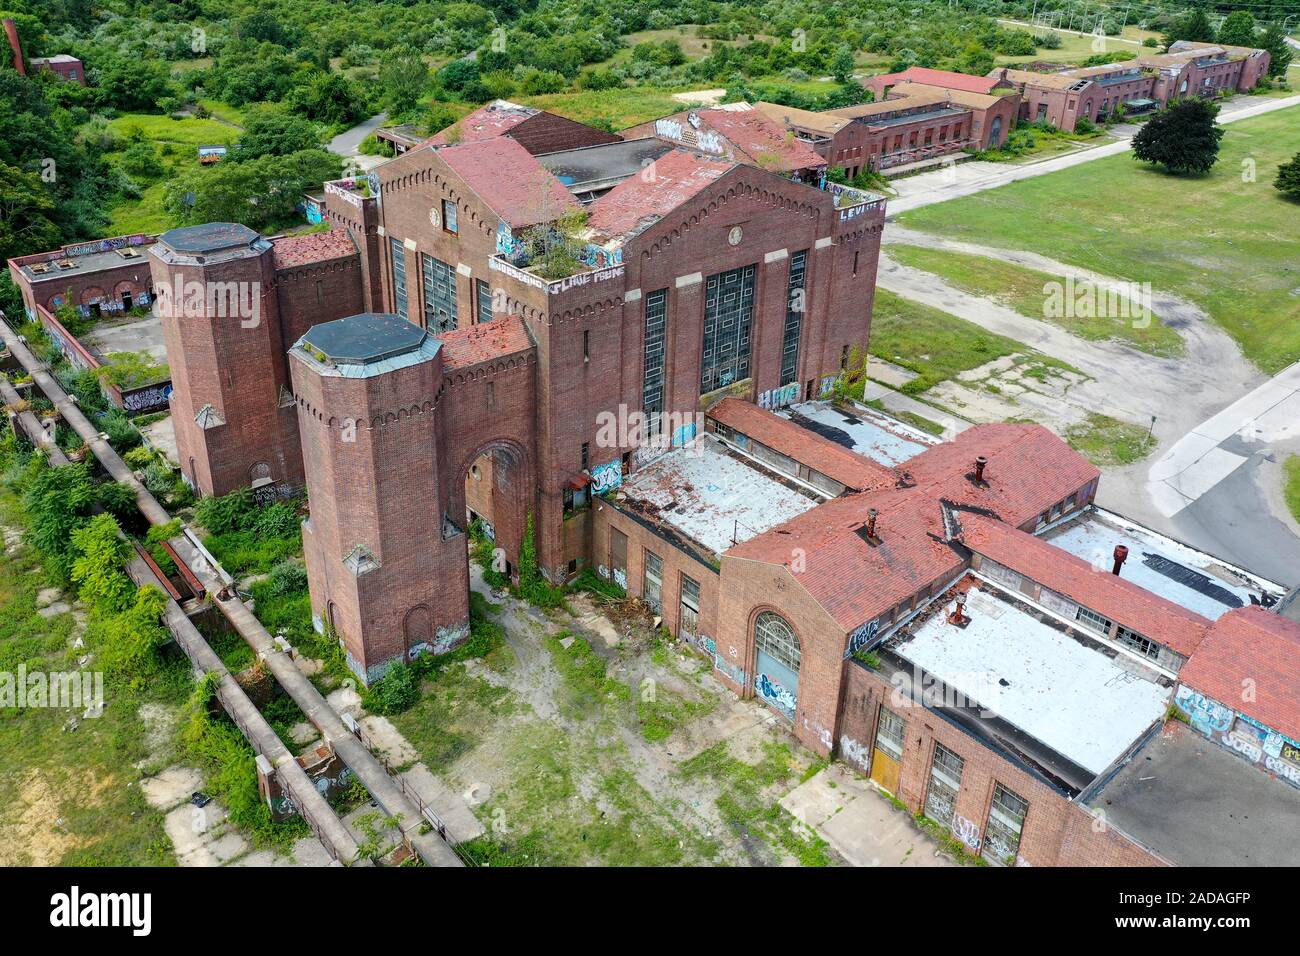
x,y
1025,291
1108,441
177,141
622,107
934,344
1291,484
1227,241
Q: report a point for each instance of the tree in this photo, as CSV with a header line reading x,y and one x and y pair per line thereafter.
x,y
258,193
57,501
842,65
26,212
1183,139
1288,178
98,555
975,60
269,131
1194,26
131,83
403,76
1238,29
1279,51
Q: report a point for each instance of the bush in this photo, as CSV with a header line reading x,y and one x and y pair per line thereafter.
x,y
279,520
287,577
395,692
128,642
227,514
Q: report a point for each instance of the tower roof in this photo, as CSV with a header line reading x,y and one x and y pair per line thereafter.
x,y
209,238
367,340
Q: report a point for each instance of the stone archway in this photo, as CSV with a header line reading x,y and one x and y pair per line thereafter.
x,y
495,483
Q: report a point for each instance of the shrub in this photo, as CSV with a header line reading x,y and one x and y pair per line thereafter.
x,y
279,520
395,692
128,642
287,577
227,514
98,555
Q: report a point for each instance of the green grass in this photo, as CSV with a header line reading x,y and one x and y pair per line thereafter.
x,y
69,797
452,714
932,343
584,672
622,107
1230,246
913,419
1025,291
1108,441
1291,485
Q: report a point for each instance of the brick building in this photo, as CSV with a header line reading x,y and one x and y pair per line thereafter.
x,y
1151,81
106,276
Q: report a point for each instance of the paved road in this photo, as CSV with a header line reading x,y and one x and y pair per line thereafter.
x,y
964,179
346,143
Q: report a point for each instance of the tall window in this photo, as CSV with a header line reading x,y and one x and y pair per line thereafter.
x,y
654,581
439,295
449,216
889,735
794,309
484,300
399,277
775,637
689,620
1006,820
652,385
728,318
945,783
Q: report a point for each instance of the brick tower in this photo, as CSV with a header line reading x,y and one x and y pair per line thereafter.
x,y
387,567
233,413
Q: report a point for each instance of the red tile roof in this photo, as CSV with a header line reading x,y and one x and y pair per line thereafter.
x,y
1116,598
763,141
944,78
481,343
487,122
291,251
1250,647
1029,469
853,580
511,181
804,446
638,202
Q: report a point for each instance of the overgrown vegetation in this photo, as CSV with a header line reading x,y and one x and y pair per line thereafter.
x,y
248,538
1108,441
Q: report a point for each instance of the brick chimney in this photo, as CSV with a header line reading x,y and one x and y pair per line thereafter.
x,y
980,462
11,31
871,522
1121,555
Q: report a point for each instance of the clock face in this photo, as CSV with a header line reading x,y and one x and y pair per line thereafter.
x,y
735,235
435,217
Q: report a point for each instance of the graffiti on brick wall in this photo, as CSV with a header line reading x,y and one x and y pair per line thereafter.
x,y
827,384
855,752
779,397
821,733
607,477
733,671
861,637
1206,714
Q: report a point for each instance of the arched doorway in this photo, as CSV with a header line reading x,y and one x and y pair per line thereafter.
x,y
995,132
492,497
417,630
777,656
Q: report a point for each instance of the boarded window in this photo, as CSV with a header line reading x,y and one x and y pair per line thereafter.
x,y
1006,820
945,784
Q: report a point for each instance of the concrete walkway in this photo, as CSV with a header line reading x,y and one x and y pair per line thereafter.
x,y
859,822
966,179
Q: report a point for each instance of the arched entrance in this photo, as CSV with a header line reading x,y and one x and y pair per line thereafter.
x,y
995,132
417,629
493,492
777,656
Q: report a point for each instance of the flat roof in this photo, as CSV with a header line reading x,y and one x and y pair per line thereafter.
x,y
105,260
712,496
209,237
914,117
1181,574
365,338
607,164
863,430
1067,694
1197,804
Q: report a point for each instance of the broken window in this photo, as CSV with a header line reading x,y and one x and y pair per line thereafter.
x,y
652,380
945,784
399,277
688,624
889,735
1094,620
439,295
654,580
796,305
1135,641
728,318
1006,820
484,300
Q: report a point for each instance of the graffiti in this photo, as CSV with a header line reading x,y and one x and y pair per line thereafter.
x,y
607,477
106,245
585,278
684,434
1239,743
1207,715
670,129
861,637
966,831
1284,770
151,398
855,753
620,578
708,643
732,671
779,397
709,142
507,245
776,695
598,257
827,384
822,734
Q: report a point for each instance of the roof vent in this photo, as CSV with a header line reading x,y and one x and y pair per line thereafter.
x,y
980,462
958,617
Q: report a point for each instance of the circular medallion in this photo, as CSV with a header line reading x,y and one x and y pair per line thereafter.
x,y
435,217
735,235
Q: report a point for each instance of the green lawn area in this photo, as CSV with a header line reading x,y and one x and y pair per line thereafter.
x,y
1231,246
1025,290
177,141
1107,441
68,797
1291,484
935,344
1075,48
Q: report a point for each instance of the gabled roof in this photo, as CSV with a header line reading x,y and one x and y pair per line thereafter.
x,y
804,446
510,181
825,123
761,141
1250,648
865,111
961,97
290,251
1118,599
941,78
640,201
487,122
